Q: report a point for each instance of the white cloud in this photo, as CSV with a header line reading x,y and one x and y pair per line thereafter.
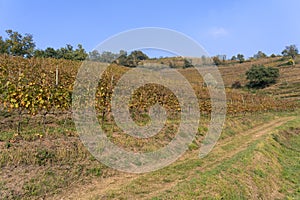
x,y
218,32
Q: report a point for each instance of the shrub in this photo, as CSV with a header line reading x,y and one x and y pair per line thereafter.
x,y
217,60
290,62
260,76
187,64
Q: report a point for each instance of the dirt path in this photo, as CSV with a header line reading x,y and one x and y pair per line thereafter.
x,y
224,150
243,140
238,142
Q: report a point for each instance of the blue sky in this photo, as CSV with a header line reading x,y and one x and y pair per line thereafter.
x,y
221,27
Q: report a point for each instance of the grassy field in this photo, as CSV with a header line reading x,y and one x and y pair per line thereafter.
x,y
256,157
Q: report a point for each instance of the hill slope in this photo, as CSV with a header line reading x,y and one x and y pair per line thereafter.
x,y
245,166
257,155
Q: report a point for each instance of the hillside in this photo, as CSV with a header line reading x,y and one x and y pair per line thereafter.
x,y
257,163
42,157
286,87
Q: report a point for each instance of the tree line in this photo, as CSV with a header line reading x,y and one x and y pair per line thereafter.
x,y
17,44
290,51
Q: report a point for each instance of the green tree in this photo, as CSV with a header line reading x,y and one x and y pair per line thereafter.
x,y
122,52
66,52
233,58
260,76
122,60
217,60
291,51
80,53
39,53
132,60
18,45
259,55
108,56
51,53
3,46
241,58
138,55
94,55
187,63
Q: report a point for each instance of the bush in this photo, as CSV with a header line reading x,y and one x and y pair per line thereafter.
x,y
187,64
217,60
290,62
260,76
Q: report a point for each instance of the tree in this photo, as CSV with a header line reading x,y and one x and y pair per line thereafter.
x,y
51,53
122,52
39,53
94,55
217,60
79,53
122,60
108,56
222,57
233,58
18,45
291,50
3,46
66,52
241,58
260,76
132,60
187,63
259,55
138,55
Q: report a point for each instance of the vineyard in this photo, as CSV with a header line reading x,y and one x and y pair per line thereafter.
x,y
37,131
38,88
28,86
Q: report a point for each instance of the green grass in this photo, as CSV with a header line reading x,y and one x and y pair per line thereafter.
x,y
49,164
265,165
280,163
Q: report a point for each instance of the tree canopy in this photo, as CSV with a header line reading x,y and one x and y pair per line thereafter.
x,y
17,44
241,58
67,52
132,60
291,51
259,55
